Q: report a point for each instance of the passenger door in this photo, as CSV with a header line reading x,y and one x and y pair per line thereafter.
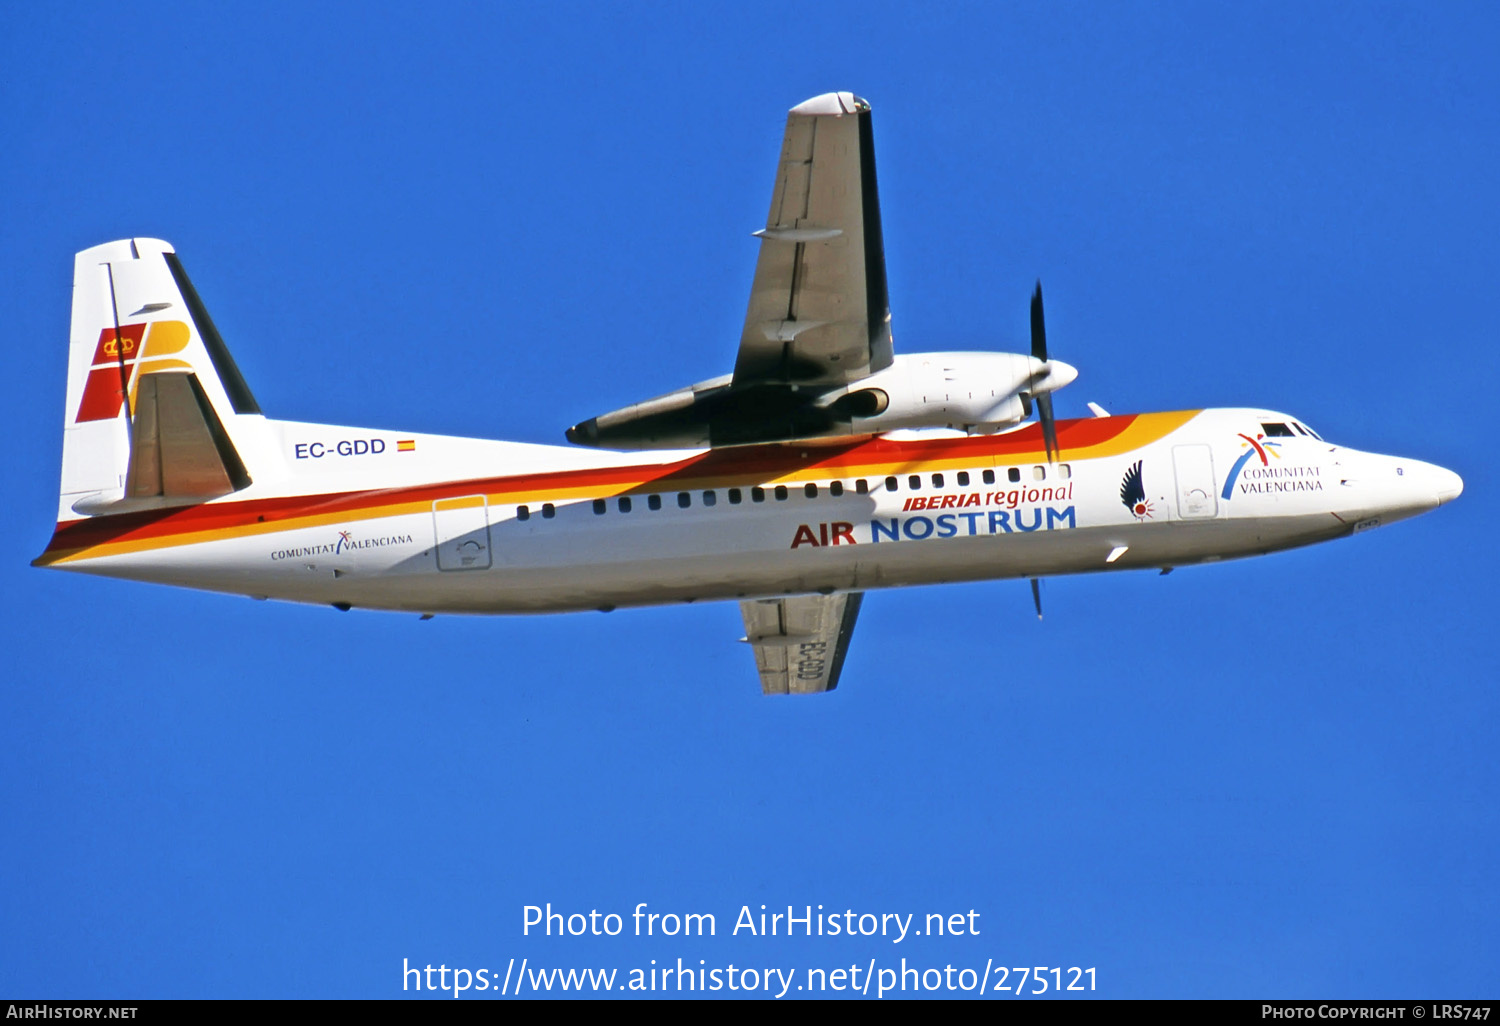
x,y
1197,495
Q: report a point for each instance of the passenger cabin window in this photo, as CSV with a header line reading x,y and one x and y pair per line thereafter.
x,y
654,501
937,480
810,490
709,498
1277,431
963,478
757,494
914,482
548,510
684,499
1014,474
735,496
624,504
861,487
891,484
522,513
1039,473
600,507
989,477
780,492
1064,470
835,488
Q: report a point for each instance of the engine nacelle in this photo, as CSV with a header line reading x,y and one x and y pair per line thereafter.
x,y
975,392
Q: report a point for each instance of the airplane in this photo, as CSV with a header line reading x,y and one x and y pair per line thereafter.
x,y
824,466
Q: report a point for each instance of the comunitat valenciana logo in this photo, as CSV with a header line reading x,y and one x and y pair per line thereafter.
x,y
1257,446
345,542
120,358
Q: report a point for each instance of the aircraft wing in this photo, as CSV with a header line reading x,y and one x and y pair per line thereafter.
x,y
800,642
818,307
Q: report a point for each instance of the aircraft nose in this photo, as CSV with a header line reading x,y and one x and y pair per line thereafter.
x,y
1394,488
1449,485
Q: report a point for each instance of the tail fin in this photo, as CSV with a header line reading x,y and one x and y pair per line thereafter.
x,y
155,401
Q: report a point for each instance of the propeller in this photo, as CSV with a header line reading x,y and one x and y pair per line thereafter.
x,y
1064,374
1043,399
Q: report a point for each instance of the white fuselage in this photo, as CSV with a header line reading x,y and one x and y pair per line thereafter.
x,y
440,525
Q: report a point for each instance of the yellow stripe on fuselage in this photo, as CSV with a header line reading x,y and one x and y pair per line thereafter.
x,y
1143,430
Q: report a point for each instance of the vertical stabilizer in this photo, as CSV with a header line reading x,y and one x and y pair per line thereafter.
x,y
157,412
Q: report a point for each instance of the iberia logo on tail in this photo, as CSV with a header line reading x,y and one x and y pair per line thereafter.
x,y
121,356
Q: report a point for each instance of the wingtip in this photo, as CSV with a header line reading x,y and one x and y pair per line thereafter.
x,y
832,103
124,249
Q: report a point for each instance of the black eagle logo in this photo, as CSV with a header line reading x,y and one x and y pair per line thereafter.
x,y
1133,493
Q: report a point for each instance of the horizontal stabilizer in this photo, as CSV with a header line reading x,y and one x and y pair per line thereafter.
x,y
178,447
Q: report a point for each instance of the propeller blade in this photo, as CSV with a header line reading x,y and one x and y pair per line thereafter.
x,y
1038,328
1036,596
1039,352
1049,429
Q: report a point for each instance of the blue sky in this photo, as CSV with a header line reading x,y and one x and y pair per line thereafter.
x,y
1267,778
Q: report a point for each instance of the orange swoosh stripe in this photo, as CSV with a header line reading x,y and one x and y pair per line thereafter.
x,y
1092,438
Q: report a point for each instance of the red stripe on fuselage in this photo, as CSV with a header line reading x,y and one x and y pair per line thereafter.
x,y
714,468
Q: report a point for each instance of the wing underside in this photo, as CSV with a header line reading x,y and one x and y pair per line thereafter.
x,y
818,306
800,642
818,319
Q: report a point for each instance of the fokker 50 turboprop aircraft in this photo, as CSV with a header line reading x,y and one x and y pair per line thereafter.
x,y
824,466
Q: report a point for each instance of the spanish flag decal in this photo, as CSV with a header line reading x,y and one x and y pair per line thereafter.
x,y
406,445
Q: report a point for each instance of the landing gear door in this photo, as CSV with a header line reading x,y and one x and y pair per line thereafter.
x,y
1197,496
463,533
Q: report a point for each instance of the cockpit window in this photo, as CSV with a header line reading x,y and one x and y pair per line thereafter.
x,y
1277,431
